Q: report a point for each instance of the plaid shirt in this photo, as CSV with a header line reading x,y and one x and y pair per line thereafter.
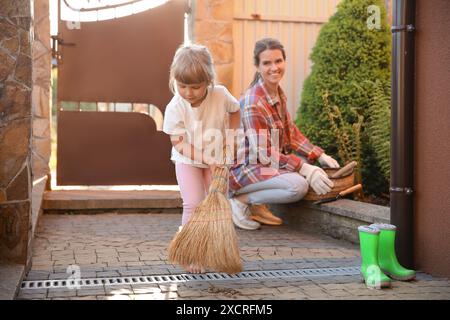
x,y
263,114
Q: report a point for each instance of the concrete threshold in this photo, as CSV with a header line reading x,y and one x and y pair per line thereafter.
x,y
112,200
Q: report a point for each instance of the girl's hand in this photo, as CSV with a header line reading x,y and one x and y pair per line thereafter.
x,y
212,168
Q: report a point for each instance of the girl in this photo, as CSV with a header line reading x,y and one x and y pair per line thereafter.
x,y
196,119
264,110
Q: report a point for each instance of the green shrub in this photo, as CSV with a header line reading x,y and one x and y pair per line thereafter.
x,y
347,135
379,125
347,59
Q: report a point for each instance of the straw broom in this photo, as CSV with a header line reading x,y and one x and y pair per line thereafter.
x,y
209,238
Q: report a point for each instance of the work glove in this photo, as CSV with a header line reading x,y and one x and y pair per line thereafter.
x,y
317,178
327,161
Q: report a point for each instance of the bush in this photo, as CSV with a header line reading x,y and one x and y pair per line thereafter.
x,y
348,59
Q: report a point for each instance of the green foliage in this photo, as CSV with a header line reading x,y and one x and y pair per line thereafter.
x,y
347,135
379,126
347,54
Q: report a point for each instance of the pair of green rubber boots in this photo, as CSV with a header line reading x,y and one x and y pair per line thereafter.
x,y
379,261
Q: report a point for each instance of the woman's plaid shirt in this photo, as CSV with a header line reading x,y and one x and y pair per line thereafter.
x,y
263,118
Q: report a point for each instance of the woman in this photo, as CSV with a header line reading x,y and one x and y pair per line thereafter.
x,y
270,170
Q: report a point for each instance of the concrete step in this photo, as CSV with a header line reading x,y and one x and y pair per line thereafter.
x,y
58,201
339,219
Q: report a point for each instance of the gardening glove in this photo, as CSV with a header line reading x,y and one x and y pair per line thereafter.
x,y
327,161
317,178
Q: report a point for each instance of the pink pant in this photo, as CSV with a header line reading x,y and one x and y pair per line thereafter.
x,y
194,183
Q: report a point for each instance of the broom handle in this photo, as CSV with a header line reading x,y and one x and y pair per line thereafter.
x,y
220,176
219,181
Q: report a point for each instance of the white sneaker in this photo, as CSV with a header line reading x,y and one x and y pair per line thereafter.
x,y
241,215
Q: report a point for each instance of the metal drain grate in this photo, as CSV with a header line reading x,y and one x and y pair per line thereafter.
x,y
176,278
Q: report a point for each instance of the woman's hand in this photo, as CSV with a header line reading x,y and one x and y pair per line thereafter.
x,y
327,161
317,178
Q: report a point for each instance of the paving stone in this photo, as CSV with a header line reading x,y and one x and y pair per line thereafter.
x,y
31,295
369,292
149,288
332,286
59,276
292,296
168,287
116,297
122,289
185,293
208,297
61,293
263,290
94,291
338,293
37,275
275,283
107,274
141,242
130,273
155,296
314,293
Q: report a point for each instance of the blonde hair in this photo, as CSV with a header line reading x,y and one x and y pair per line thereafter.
x,y
191,64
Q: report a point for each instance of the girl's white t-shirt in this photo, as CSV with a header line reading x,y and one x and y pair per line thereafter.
x,y
199,124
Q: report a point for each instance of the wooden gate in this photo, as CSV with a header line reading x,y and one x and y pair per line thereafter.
x,y
113,70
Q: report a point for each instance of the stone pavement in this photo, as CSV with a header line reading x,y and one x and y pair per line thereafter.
x,y
110,245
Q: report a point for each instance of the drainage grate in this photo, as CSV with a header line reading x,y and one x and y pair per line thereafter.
x,y
253,275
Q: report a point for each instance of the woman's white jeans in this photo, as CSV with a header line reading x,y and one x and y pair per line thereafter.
x,y
285,188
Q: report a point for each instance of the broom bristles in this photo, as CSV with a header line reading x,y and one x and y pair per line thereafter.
x,y
209,238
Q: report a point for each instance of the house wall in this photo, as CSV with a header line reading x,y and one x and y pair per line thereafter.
x,y
432,132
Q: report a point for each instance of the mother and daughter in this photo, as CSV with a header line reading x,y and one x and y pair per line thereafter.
x,y
201,114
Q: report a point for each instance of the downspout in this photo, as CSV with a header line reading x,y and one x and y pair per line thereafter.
x,y
402,130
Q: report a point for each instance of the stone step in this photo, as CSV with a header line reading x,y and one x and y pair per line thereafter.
x,y
339,219
58,201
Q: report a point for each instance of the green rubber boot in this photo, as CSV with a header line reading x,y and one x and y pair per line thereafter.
x,y
370,271
387,258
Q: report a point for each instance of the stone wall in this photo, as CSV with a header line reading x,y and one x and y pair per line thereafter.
x,y
15,128
339,219
213,27
24,122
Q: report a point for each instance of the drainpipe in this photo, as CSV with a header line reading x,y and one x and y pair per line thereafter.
x,y
402,138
